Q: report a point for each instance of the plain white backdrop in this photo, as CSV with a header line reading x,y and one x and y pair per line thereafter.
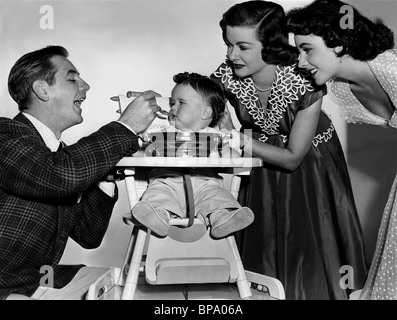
x,y
137,45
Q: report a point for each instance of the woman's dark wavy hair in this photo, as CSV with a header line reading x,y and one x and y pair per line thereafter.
x,y
271,29
208,89
324,18
36,65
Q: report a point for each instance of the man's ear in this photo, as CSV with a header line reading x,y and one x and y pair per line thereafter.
x,y
207,113
40,90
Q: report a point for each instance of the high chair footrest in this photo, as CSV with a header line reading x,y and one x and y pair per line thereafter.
x,y
200,270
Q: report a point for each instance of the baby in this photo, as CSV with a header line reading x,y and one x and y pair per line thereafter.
x,y
197,104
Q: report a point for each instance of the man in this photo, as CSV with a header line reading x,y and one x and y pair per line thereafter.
x,y
49,193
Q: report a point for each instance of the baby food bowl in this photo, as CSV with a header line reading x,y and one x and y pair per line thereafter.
x,y
182,144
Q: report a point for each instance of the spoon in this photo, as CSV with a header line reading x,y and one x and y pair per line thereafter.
x,y
162,113
160,101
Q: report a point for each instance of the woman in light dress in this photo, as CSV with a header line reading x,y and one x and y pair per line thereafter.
x,y
356,56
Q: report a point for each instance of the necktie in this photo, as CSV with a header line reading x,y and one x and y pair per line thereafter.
x,y
61,145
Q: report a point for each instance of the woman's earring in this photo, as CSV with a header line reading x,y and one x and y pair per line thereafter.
x,y
340,59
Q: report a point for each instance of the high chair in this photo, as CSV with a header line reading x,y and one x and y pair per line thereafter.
x,y
188,255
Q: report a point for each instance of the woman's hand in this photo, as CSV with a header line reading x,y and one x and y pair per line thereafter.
x,y
226,123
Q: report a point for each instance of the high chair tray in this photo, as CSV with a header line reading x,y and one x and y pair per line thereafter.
x,y
187,162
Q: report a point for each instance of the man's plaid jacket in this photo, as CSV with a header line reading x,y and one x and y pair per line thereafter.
x,y
38,193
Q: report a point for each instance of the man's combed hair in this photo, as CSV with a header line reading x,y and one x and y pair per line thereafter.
x,y
208,89
30,67
324,18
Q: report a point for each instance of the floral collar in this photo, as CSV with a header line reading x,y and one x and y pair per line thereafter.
x,y
285,89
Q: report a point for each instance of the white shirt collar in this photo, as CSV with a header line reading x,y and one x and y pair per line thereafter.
x,y
48,136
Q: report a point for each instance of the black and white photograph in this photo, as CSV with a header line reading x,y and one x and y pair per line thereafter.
x,y
201,150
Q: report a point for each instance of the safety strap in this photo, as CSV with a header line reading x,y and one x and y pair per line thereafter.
x,y
190,210
187,183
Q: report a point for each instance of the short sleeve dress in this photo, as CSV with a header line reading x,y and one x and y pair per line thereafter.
x,y
306,230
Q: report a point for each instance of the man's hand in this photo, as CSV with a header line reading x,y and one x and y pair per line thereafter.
x,y
114,175
141,112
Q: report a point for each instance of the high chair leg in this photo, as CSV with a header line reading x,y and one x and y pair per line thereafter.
x,y
242,282
133,272
128,255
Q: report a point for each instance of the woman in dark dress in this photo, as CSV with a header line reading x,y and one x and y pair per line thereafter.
x,y
306,231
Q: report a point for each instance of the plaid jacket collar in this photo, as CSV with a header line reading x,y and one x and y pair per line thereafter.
x,y
22,119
